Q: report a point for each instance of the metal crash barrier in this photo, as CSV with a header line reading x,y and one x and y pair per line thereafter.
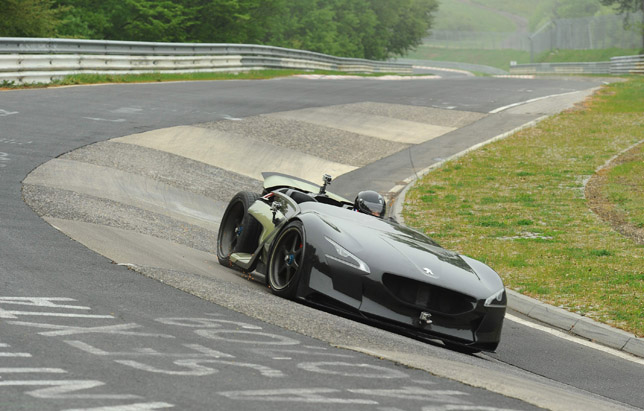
x,y
42,60
616,65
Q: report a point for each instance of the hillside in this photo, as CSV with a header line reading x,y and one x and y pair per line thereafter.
x,y
510,15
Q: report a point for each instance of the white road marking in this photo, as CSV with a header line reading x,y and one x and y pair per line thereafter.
x,y
416,393
500,109
351,370
12,141
62,388
14,314
60,330
32,370
203,352
282,353
118,120
196,369
141,406
350,77
452,407
192,370
205,323
5,113
303,395
577,340
42,302
15,354
246,337
127,110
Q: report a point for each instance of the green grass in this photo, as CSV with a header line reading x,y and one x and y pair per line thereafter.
x,y
625,188
501,58
456,15
493,58
162,77
518,204
453,15
576,56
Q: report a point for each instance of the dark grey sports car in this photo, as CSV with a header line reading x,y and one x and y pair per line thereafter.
x,y
312,245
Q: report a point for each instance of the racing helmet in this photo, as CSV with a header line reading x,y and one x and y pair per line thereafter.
x,y
370,202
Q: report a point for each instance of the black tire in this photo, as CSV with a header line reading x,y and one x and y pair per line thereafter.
x,y
239,231
287,261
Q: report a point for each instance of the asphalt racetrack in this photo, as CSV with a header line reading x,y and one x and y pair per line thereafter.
x,y
112,297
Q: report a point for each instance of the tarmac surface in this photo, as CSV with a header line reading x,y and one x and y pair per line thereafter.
x,y
151,199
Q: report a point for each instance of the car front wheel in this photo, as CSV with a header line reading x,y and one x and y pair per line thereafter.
x,y
287,261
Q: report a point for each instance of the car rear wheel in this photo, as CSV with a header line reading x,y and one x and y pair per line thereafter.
x,y
287,261
239,231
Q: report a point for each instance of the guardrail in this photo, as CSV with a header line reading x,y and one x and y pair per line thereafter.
x,y
627,65
562,68
38,60
616,65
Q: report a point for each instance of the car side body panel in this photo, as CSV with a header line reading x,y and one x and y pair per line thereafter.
x,y
380,271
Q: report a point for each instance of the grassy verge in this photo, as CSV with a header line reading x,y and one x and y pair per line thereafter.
x,y
616,193
161,77
501,58
519,205
625,187
493,58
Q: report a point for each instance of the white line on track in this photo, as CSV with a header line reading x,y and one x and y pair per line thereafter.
x,y
32,370
578,340
118,120
500,109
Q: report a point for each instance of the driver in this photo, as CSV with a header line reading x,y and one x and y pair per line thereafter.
x,y
370,202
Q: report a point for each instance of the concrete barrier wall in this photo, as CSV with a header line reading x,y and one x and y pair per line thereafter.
x,y
35,60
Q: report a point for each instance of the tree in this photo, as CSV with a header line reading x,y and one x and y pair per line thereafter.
x,y
402,25
563,9
142,20
626,7
148,20
373,29
27,18
234,21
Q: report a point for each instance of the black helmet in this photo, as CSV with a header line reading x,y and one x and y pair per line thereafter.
x,y
370,202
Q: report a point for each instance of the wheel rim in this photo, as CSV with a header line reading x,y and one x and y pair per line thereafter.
x,y
233,229
287,259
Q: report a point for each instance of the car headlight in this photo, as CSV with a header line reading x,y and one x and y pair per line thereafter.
x,y
496,299
346,257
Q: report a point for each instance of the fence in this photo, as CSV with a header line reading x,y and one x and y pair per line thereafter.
x,y
589,33
598,32
616,65
34,60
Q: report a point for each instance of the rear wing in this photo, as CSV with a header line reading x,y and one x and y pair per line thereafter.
x,y
273,181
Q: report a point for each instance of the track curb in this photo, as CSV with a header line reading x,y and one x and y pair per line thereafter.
x,y
556,317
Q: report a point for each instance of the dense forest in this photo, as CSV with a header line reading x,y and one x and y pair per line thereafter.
x,y
373,29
